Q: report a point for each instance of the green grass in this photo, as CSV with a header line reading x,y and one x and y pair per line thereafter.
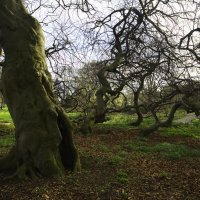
x,y
118,120
165,149
116,159
6,128
122,177
123,120
147,121
114,119
73,115
175,150
7,140
5,116
188,130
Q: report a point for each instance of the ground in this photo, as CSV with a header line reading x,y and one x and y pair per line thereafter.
x,y
187,118
119,164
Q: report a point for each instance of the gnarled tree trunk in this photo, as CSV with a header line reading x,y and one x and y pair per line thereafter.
x,y
158,123
100,115
139,119
44,144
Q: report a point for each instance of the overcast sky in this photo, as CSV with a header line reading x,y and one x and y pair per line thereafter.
x,y
70,24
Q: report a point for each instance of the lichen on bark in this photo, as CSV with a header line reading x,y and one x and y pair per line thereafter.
x,y
44,144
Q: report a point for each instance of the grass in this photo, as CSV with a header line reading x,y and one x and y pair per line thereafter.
x,y
116,160
122,177
118,120
188,130
121,120
7,140
6,131
73,115
5,116
6,128
165,149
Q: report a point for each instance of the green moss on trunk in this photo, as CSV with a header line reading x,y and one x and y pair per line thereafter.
x,y
44,141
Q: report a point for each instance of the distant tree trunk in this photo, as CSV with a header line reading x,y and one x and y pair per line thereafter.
x,y
105,88
1,96
44,144
166,123
139,119
100,115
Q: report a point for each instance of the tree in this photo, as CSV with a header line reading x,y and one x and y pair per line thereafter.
x,y
139,40
44,144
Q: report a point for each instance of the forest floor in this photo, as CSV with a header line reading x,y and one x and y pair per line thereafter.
x,y
118,164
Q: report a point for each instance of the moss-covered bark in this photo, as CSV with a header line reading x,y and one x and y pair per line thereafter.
x,y
44,144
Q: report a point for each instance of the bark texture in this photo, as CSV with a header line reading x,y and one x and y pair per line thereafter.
x,y
100,115
101,94
137,109
44,144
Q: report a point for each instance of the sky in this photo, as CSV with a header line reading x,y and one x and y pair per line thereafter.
x,y
71,25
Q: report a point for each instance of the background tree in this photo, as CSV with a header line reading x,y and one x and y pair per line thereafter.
x,y
140,42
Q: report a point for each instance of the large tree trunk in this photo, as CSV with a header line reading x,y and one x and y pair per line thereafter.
x,y
44,144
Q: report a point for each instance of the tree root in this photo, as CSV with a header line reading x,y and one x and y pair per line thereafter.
x,y
24,172
33,167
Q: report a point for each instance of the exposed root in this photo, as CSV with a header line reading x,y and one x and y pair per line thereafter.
x,y
34,166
